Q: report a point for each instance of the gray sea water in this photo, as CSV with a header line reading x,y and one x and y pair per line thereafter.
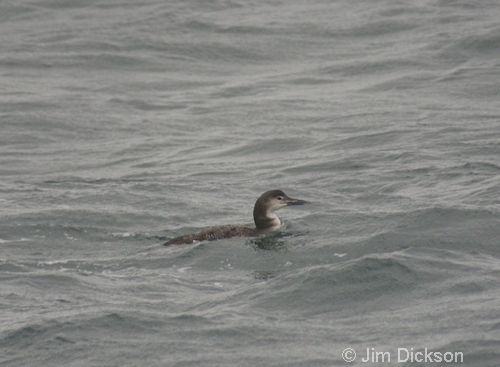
x,y
126,123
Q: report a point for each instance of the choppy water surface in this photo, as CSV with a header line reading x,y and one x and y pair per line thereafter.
x,y
125,123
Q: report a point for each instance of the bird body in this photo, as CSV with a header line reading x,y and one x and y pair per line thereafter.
x,y
263,213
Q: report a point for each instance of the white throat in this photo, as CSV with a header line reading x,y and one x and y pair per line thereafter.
x,y
274,221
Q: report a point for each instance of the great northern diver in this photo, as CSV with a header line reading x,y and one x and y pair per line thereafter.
x,y
263,216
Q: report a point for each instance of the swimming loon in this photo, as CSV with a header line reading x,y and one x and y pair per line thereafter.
x,y
263,216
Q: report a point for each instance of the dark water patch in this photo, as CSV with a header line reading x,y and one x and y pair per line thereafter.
x,y
467,288
465,236
242,91
481,43
24,337
21,62
381,28
438,215
480,168
462,49
245,30
266,274
107,61
310,80
218,52
401,83
370,140
271,242
63,4
476,351
65,341
449,222
146,106
343,164
268,244
261,147
495,327
8,267
361,284
16,12
384,242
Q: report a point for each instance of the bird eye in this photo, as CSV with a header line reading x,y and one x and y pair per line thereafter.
x,y
279,198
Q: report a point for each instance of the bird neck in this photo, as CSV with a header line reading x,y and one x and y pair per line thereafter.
x,y
264,220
